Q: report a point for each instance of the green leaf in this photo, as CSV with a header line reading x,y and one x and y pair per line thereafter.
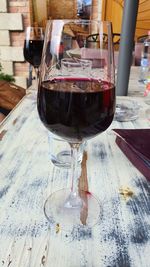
x,y
6,77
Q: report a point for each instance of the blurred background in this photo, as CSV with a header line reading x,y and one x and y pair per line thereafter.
x,y
16,15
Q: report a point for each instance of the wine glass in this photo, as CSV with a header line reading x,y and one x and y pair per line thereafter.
x,y
33,46
76,101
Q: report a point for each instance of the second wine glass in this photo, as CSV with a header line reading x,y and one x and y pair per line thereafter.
x,y
33,46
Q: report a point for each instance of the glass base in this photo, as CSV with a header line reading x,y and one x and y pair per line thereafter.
x,y
66,211
126,110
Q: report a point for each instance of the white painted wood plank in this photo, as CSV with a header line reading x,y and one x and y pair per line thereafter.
x,y
120,239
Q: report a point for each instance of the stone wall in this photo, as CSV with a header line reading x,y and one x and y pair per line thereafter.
x,y
14,17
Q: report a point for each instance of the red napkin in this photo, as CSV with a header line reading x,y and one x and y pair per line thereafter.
x,y
135,143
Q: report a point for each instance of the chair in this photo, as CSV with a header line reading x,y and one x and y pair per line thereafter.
x,y
142,38
92,40
116,38
116,41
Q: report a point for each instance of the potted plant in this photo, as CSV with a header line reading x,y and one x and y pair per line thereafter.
x,y
6,77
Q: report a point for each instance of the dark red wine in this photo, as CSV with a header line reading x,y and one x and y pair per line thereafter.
x,y
33,51
76,109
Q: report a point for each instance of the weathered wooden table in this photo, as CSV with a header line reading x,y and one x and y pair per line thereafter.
x,y
27,176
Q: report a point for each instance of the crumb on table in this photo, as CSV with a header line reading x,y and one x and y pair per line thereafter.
x,y
57,228
126,192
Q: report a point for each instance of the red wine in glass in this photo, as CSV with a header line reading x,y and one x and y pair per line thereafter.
x,y
33,52
78,113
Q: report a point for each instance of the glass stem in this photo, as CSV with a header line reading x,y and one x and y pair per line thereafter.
x,y
74,172
74,201
36,69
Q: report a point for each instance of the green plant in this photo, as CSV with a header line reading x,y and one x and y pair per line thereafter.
x,y
6,77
